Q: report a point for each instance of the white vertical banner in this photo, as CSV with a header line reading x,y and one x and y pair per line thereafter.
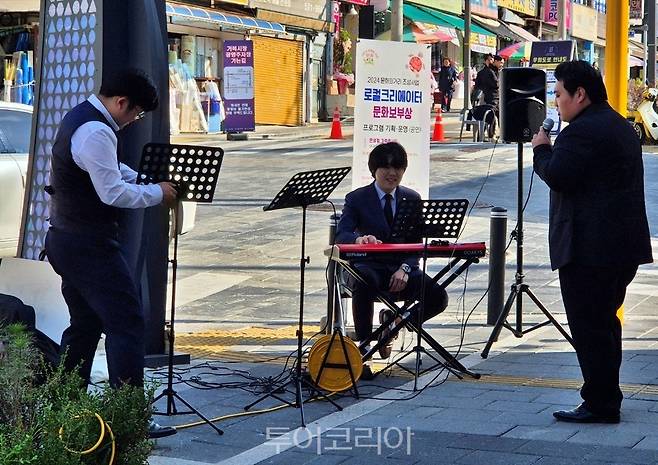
x,y
392,104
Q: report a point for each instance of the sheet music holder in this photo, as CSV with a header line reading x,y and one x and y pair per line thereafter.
x,y
195,170
303,189
419,220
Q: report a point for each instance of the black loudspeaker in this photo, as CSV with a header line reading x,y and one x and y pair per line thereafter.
x,y
522,103
367,22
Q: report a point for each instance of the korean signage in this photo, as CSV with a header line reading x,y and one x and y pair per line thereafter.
x,y
238,85
451,6
584,22
335,15
392,104
636,11
551,13
528,7
315,9
483,43
547,55
486,8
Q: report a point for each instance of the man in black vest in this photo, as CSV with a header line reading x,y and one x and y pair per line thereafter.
x,y
89,187
598,231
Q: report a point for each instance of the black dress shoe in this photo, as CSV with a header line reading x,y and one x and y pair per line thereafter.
x,y
582,414
158,431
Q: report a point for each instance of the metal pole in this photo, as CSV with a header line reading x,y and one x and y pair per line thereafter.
x,y
467,54
497,237
396,20
616,66
650,35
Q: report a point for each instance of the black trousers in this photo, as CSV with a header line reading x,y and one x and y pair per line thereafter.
x,y
377,275
102,298
591,298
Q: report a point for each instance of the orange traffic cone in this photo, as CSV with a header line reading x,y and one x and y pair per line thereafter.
x,y
438,127
336,131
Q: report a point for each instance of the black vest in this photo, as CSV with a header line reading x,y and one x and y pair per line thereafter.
x,y
75,206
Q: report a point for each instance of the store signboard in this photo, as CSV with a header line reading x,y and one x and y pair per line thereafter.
x,y
335,15
237,2
486,8
584,22
551,12
392,104
528,7
238,85
451,6
315,9
547,55
636,11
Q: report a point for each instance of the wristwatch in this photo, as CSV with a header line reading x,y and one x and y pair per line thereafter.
x,y
406,268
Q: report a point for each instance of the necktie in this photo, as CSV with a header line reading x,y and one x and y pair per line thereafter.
x,y
388,209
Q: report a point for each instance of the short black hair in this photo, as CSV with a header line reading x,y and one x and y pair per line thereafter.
x,y
487,56
497,58
580,73
135,85
389,154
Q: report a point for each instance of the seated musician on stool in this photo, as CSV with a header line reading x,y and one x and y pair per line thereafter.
x,y
367,218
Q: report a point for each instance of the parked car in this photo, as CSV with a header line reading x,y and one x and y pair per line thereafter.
x,y
15,128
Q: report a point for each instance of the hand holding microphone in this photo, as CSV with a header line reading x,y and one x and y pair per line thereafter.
x,y
542,136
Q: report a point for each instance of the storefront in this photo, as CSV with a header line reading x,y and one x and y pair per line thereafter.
x,y
196,42
19,32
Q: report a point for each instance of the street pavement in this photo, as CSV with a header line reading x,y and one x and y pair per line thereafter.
x,y
238,307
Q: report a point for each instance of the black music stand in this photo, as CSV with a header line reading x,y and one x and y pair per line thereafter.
x,y
520,287
417,220
195,170
303,189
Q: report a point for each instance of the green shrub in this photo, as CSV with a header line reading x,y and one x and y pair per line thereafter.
x,y
31,415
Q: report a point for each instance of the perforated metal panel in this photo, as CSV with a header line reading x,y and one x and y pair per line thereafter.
x,y
67,75
279,73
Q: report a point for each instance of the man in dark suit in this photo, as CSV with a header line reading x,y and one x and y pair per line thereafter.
x,y
367,218
598,232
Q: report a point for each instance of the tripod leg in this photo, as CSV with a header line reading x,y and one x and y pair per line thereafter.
x,y
451,363
550,317
500,322
299,402
199,414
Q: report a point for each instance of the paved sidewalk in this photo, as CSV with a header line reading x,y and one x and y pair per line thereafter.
x,y
242,336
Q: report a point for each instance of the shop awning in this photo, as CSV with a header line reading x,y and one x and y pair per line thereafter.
x,y
426,33
523,33
193,13
482,40
499,28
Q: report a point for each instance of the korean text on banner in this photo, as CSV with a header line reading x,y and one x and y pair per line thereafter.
x,y
392,104
239,85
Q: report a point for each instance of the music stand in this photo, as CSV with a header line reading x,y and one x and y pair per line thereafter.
x,y
419,220
520,287
195,170
303,189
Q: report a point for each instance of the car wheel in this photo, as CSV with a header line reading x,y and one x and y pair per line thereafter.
x,y
639,131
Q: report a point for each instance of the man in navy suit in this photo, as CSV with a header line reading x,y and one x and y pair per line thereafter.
x,y
598,229
367,218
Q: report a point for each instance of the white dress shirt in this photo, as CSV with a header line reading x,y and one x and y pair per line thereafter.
x,y
94,150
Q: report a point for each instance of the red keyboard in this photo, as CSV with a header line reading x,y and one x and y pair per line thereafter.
x,y
361,251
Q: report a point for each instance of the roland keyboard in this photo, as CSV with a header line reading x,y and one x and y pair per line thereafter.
x,y
366,251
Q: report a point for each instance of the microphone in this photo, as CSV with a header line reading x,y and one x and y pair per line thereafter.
x,y
547,125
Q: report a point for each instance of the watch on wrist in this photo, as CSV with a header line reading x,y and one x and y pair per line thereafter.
x,y
406,268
